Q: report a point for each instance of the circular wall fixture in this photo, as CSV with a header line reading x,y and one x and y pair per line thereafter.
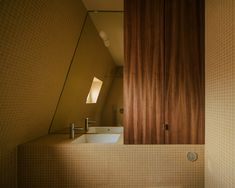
x,y
192,156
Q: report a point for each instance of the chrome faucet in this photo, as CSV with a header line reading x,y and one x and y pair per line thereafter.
x,y
73,128
87,123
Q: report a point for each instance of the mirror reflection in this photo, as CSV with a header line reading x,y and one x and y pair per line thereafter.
x,y
99,56
94,91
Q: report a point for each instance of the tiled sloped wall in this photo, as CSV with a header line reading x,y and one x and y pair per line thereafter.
x,y
220,94
110,166
37,41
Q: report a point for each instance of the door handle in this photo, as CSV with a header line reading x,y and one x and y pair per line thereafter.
x,y
165,126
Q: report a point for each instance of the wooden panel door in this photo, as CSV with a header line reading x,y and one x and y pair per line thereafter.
x,y
184,71
144,71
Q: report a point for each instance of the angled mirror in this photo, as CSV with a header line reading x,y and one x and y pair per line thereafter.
x,y
94,84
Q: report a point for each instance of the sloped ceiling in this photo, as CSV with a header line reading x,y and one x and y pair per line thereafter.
x,y
108,17
113,5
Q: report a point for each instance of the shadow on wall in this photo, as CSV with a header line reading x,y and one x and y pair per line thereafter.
x,y
112,113
110,165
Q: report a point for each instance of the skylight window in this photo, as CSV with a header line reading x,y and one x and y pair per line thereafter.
x,y
94,91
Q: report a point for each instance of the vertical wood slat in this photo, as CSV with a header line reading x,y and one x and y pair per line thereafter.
x,y
184,58
143,72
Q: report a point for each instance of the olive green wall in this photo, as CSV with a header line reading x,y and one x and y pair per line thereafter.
x,y
111,113
91,59
38,39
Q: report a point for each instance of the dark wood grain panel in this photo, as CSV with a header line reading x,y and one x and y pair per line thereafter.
x,y
184,58
143,71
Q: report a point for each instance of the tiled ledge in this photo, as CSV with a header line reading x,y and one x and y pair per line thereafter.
x,y
54,161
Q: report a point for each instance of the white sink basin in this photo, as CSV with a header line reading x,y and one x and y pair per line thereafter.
x,y
97,138
109,130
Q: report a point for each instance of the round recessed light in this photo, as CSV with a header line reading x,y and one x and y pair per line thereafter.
x,y
103,35
107,43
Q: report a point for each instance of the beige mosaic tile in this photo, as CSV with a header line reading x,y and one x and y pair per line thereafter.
x,y
220,94
109,165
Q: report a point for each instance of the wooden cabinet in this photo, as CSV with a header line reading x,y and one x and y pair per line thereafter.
x,y
164,72
184,71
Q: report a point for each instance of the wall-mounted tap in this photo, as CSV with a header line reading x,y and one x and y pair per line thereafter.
x,y
73,128
87,123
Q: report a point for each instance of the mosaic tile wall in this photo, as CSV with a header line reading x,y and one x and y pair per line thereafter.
x,y
220,94
110,166
38,38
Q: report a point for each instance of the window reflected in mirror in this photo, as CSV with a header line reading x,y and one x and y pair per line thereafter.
x,y
93,94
